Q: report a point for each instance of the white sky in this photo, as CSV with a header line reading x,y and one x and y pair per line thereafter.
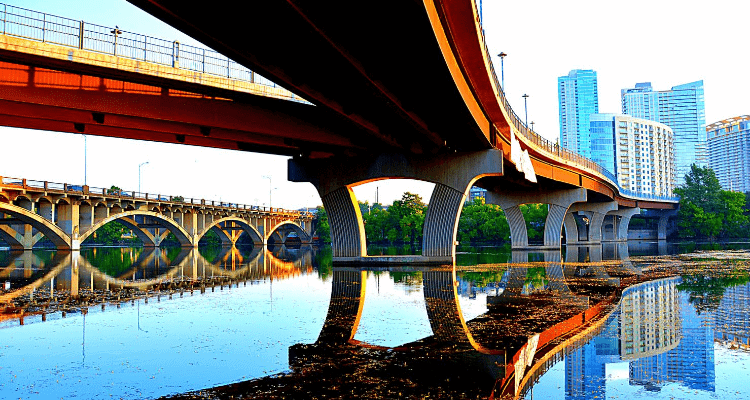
x,y
664,42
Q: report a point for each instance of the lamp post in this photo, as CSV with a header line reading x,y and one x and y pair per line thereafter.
x,y
525,109
85,161
532,126
270,188
139,175
116,32
502,70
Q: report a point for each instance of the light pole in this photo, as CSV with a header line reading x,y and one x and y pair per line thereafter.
x,y
502,70
85,161
525,110
532,126
270,188
139,175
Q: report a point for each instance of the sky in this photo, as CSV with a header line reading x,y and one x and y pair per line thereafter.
x,y
663,42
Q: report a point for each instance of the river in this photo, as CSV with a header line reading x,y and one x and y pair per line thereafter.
x,y
636,320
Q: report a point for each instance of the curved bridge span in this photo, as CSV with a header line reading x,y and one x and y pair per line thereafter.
x,y
420,100
67,215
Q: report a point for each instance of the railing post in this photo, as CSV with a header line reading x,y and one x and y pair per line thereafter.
x,y
204,61
44,26
5,16
228,62
176,54
80,36
45,186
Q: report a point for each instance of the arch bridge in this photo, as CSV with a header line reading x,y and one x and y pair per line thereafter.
x,y
67,215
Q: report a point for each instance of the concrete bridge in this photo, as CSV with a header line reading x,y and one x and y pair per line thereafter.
x,y
69,214
427,108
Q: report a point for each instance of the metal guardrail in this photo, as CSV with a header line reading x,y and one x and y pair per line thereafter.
x,y
554,148
133,195
48,28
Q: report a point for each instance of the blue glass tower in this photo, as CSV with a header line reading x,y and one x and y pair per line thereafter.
x,y
683,109
578,98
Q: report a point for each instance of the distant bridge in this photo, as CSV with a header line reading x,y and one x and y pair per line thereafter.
x,y
69,214
380,107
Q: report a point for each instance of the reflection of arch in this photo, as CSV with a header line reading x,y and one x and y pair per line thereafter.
x,y
282,230
46,226
61,261
182,236
246,227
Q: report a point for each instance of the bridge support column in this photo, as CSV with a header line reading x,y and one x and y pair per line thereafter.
x,y
68,218
189,222
595,212
86,216
620,229
453,175
559,202
47,210
664,216
570,224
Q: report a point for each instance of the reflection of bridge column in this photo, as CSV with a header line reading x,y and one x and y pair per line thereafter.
x,y
345,307
441,299
559,202
620,229
664,216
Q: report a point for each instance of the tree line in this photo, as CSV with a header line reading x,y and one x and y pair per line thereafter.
x,y
402,222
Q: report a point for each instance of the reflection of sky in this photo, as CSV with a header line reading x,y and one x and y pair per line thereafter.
x,y
186,344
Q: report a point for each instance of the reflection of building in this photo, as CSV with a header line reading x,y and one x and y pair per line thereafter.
x,y
682,109
468,288
638,151
729,152
646,324
691,363
649,319
733,317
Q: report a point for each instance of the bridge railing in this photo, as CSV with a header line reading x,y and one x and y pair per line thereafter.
x,y
23,183
551,147
48,28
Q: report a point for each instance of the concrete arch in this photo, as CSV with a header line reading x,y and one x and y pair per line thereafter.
x,y
247,227
44,225
289,226
182,236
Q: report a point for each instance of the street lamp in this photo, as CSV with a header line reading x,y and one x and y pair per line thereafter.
x,y
270,188
532,126
85,161
502,70
525,109
139,175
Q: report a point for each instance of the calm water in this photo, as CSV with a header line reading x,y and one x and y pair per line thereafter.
x,y
643,320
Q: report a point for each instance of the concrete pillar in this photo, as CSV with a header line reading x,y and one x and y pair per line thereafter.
x,y
453,175
664,216
622,229
345,307
595,212
559,202
571,229
345,219
68,219
441,221
25,204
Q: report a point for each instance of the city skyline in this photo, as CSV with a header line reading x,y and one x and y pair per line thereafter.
x,y
579,99
532,66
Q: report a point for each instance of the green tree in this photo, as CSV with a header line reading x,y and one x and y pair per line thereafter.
x,y
708,211
407,217
480,222
323,229
535,216
114,190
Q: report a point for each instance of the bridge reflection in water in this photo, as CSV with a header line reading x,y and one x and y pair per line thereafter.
x,y
579,310
39,283
538,314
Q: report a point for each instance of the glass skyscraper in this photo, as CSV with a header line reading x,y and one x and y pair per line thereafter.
x,y
683,109
578,98
729,152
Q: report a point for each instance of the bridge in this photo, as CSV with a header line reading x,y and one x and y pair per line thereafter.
x,y
69,214
419,100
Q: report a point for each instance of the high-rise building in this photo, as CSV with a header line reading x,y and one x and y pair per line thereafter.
x,y
729,152
683,109
578,97
638,151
